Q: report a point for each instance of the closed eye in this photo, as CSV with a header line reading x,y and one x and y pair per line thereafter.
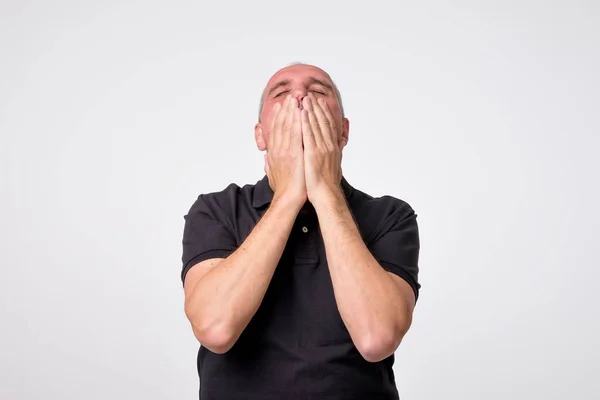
x,y
279,94
319,92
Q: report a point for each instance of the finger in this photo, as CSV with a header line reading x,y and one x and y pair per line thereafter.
x,y
314,124
276,133
308,137
288,124
330,122
322,121
296,137
267,170
275,112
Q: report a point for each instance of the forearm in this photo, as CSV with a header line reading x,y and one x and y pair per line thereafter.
x,y
368,299
224,300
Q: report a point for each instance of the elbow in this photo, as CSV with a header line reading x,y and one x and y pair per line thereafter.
x,y
216,336
375,350
215,339
376,347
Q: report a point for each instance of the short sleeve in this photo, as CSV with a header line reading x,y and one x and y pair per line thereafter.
x,y
204,236
397,248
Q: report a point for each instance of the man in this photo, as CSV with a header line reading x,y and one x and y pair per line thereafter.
x,y
300,286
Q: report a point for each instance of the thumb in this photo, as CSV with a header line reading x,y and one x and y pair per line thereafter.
x,y
266,168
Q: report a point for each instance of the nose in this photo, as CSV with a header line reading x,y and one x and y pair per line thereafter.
x,y
300,98
300,94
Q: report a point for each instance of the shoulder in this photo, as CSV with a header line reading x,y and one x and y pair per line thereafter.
x,y
220,197
382,207
230,195
222,204
376,216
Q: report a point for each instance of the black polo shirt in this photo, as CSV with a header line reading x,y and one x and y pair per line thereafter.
x,y
296,346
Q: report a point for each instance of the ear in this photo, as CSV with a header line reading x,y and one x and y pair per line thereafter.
x,y
345,133
259,138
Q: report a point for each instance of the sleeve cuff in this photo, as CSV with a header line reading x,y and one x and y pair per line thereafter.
x,y
402,274
219,253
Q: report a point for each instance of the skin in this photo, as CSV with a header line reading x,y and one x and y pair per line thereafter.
x,y
303,133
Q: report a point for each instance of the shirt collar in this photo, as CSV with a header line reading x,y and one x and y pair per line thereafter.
x,y
263,194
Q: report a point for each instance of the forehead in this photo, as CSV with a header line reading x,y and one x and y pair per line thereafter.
x,y
299,73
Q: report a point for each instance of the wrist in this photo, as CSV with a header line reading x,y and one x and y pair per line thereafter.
x,y
331,196
289,203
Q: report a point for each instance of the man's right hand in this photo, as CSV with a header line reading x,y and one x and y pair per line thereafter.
x,y
214,287
284,161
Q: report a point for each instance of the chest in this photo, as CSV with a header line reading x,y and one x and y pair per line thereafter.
x,y
299,307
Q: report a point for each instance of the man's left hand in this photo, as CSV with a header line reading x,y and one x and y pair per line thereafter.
x,y
322,149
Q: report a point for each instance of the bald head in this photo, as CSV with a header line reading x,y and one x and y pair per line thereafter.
x,y
298,81
310,74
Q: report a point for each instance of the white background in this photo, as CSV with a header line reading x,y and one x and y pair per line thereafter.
x,y
115,115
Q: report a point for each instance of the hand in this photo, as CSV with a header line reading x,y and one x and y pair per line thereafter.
x,y
284,161
322,149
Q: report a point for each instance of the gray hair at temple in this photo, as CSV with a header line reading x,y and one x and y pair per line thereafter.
x,y
338,95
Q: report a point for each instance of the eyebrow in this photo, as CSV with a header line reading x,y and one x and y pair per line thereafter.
x,y
320,82
278,85
312,80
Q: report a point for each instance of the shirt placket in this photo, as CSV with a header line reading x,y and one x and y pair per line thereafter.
x,y
305,234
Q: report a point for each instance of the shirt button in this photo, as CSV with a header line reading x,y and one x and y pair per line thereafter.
x,y
304,229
